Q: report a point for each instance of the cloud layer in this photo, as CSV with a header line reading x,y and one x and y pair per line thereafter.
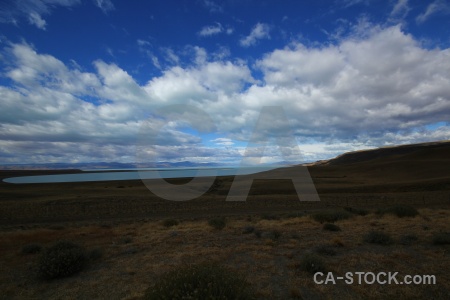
x,y
383,88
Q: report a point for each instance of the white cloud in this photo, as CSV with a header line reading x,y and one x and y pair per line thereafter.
x,y
211,30
212,6
36,20
401,9
33,10
368,90
259,31
437,7
105,5
223,141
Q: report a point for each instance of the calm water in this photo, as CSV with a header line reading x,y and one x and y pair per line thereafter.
x,y
138,174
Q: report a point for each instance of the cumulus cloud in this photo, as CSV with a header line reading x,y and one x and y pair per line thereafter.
x,y
436,7
259,31
368,90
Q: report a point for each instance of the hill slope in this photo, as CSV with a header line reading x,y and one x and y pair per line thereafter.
x,y
409,167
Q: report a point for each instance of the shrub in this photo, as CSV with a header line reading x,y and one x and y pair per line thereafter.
x,y
203,281
63,259
95,254
312,263
400,211
325,250
377,237
31,249
126,240
442,238
408,239
357,211
248,229
331,216
217,223
170,222
331,227
273,234
270,217
258,233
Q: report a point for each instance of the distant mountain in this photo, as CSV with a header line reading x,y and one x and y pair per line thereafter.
x,y
105,165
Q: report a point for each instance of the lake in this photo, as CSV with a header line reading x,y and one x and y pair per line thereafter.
x,y
137,174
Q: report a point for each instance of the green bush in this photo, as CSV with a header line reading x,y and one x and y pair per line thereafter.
x,y
378,237
203,281
331,227
312,263
442,238
331,216
170,223
400,211
63,259
31,249
217,223
357,211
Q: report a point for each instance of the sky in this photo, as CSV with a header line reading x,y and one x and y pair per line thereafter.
x,y
88,80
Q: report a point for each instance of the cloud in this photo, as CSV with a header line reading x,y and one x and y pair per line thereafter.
x,y
105,5
11,10
212,6
223,142
259,31
36,20
211,30
368,90
401,9
349,3
437,7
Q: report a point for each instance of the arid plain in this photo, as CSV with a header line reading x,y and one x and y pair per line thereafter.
x,y
139,236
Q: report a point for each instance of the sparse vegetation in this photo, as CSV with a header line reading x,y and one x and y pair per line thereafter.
x,y
378,237
441,238
248,229
328,250
273,235
31,249
63,259
95,254
331,216
357,211
203,281
312,263
126,240
170,223
400,211
270,217
408,239
331,227
217,223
